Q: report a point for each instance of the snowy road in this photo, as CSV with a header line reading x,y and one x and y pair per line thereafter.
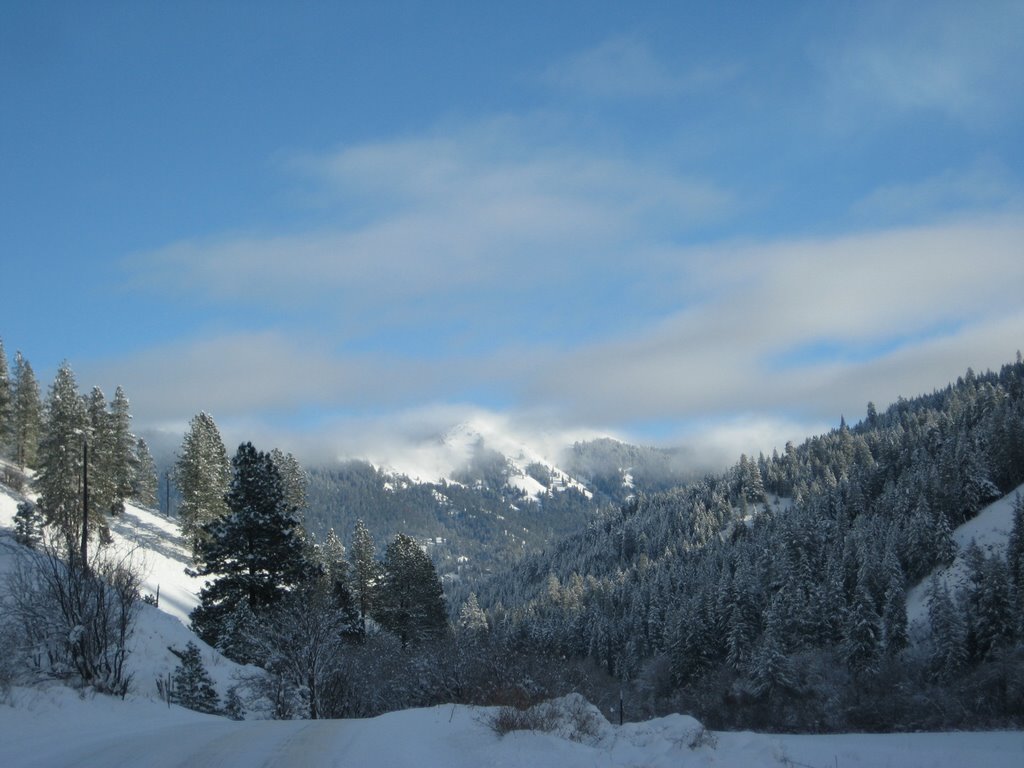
x,y
107,734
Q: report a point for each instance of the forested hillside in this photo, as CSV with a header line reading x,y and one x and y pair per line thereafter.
x,y
773,595
469,527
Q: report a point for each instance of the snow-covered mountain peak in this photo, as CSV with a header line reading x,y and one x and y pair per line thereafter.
x,y
446,454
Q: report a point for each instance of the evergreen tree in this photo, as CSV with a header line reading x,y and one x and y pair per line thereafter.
x,y
894,618
411,600
949,646
1015,547
122,449
6,402
102,472
334,569
472,619
293,477
1015,561
988,604
26,414
144,481
28,525
742,620
202,474
59,480
193,686
365,573
861,635
233,706
770,667
255,552
943,542
692,649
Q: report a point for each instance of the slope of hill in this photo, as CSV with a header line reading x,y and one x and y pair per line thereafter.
x,y
153,545
990,530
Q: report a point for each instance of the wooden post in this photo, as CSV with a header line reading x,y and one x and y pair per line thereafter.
x,y
85,503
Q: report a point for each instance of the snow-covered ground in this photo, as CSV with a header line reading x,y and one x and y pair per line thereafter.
x,y
58,728
54,725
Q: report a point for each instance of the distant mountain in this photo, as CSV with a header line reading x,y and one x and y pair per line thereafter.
x,y
479,497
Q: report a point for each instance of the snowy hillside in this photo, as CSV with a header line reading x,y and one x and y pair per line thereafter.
x,y
154,546
990,529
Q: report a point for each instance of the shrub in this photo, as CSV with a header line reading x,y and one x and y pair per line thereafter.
x,y
73,622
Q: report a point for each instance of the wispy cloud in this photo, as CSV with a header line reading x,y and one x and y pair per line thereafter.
x,y
626,67
984,185
961,60
445,221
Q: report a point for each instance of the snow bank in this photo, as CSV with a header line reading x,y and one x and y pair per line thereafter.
x,y
108,732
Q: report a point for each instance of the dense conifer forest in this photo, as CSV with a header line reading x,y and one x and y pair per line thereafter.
x,y
773,595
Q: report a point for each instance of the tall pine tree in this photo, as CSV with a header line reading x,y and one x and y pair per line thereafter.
x,y
365,573
6,407
411,599
254,553
59,480
26,414
122,448
202,474
144,482
102,472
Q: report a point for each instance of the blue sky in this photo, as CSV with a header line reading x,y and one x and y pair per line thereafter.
x,y
723,223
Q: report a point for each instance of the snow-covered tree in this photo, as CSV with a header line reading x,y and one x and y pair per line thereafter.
x,y
949,644
365,572
122,448
770,667
293,477
26,414
861,634
302,639
143,478
102,471
59,480
202,474
254,552
472,619
410,600
329,559
6,407
28,525
988,604
192,684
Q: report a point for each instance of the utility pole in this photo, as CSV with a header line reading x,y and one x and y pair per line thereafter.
x,y
85,503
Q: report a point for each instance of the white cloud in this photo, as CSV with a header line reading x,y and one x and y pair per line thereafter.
x,y
898,311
